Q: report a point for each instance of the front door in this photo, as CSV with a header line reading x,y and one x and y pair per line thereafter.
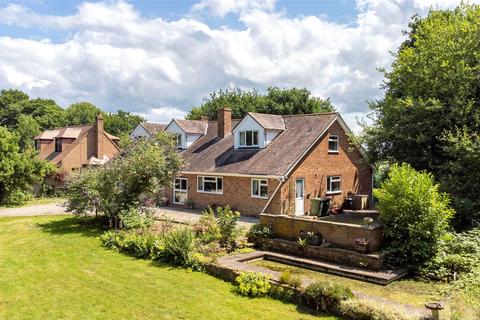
x,y
299,197
180,190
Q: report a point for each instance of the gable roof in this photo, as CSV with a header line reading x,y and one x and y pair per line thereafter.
x,y
192,126
153,127
269,121
210,154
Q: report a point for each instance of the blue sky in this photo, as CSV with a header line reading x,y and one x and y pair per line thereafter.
x,y
160,58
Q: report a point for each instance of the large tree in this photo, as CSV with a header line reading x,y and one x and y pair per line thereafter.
x,y
275,101
121,122
82,113
18,170
431,104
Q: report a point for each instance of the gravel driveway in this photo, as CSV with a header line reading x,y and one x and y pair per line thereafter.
x,y
36,210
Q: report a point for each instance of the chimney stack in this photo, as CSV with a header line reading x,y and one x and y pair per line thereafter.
x,y
224,122
100,137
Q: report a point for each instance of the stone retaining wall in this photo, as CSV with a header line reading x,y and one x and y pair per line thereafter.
x,y
342,235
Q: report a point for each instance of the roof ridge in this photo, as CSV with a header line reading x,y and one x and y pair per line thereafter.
x,y
72,126
310,114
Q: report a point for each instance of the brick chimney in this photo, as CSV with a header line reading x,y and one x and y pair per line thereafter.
x,y
100,137
224,122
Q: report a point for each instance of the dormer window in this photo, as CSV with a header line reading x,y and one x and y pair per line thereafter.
x,y
333,143
248,138
178,140
58,145
37,145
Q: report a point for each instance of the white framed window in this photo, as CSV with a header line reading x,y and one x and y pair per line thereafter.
x,y
334,184
210,184
248,138
178,140
180,190
333,143
259,188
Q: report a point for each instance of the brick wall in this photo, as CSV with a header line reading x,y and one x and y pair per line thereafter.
x,y
236,194
319,163
341,234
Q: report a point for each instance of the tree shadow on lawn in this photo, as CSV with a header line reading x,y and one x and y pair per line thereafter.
x,y
86,226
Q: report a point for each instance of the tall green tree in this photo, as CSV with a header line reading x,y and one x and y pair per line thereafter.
x,y
121,122
432,95
275,101
81,113
27,129
10,106
18,170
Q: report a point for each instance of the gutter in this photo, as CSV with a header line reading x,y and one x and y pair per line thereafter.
x,y
225,174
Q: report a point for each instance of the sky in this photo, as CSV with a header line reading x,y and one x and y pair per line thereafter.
x,y
160,58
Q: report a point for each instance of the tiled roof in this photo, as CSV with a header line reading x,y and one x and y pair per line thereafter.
x,y
269,121
214,155
153,128
72,132
192,126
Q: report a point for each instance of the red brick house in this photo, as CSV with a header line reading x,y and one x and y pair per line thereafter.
x,y
267,163
71,148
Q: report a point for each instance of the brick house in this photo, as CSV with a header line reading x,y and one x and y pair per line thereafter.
x,y
73,147
267,163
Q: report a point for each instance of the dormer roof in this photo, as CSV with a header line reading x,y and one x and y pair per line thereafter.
x,y
269,121
153,127
192,126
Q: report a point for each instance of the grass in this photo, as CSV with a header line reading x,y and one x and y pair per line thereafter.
x,y
55,268
37,201
462,304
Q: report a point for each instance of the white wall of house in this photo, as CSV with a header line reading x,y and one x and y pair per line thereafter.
x,y
247,124
191,138
174,128
270,135
139,132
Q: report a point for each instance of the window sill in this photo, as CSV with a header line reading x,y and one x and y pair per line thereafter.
x,y
332,152
258,197
217,193
329,193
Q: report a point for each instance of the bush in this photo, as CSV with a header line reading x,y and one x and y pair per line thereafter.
x,y
134,218
179,245
284,294
252,284
457,254
227,222
287,278
207,229
259,231
131,243
364,310
415,215
326,295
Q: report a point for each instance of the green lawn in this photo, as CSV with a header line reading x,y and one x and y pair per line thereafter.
x,y
55,268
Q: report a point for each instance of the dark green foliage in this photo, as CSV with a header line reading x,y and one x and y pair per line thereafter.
x,y
276,101
259,231
415,215
252,284
458,254
430,115
139,245
27,129
18,170
323,296
292,281
82,113
136,218
365,310
227,222
178,246
284,294
121,122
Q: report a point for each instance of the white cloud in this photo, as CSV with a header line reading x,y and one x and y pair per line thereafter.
x,y
117,58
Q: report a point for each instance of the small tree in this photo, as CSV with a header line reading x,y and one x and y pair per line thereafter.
x,y
416,215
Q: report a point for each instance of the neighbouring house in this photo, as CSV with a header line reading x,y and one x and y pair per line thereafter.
x,y
74,147
146,130
267,163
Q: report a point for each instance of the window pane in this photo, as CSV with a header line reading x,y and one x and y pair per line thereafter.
x,y
255,138
200,183
255,191
249,138
184,184
336,186
242,138
209,186
177,184
180,196
299,189
263,191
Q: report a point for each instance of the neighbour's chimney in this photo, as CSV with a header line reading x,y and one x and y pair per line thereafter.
x,y
99,135
224,122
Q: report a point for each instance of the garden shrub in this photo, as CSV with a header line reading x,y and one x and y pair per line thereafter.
x,y
259,231
415,214
129,242
324,295
207,229
135,218
179,245
287,278
227,222
457,254
366,310
283,293
252,284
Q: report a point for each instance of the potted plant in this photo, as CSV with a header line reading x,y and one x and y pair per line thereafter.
x,y
367,222
302,243
189,204
362,245
313,238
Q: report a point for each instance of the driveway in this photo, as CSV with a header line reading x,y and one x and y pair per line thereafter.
x,y
192,216
36,210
